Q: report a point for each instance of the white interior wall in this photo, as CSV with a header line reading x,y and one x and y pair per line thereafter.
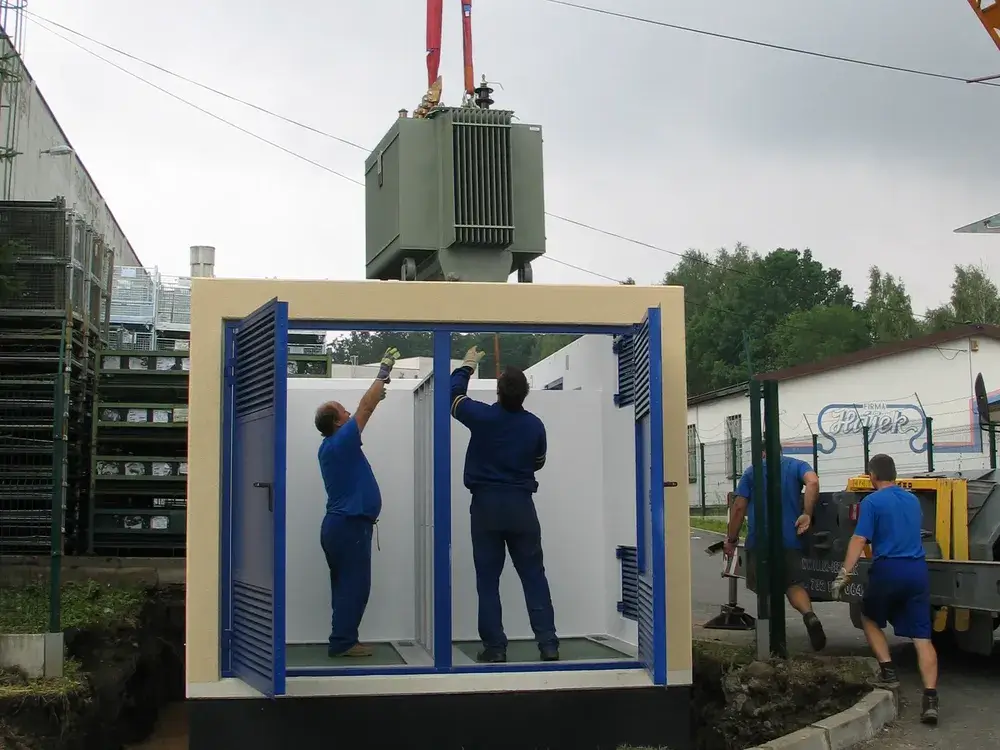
x,y
586,507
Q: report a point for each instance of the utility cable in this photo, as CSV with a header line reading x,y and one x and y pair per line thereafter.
x,y
767,45
201,109
590,227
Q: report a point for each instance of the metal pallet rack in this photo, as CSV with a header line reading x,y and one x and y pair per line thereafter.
x,y
139,477
308,356
53,319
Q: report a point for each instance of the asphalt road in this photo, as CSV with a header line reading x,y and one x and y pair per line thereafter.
x,y
969,685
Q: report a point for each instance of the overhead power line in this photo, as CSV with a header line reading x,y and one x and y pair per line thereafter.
x,y
42,23
769,45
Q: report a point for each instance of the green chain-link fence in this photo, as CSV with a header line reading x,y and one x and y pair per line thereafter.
x,y
836,458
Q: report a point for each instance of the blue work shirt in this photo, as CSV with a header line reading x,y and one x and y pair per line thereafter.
x,y
506,448
891,520
793,478
351,489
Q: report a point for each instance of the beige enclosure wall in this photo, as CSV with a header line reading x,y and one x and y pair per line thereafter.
x,y
215,300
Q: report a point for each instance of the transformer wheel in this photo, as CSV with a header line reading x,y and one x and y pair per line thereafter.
x,y
524,275
408,271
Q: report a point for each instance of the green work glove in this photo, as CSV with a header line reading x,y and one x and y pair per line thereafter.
x,y
387,362
472,358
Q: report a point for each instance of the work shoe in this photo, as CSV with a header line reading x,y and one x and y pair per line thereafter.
x,y
889,680
817,636
548,653
491,656
929,710
357,651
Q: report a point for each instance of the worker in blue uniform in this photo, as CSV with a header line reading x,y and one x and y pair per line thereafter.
x,y
506,447
353,505
799,493
898,590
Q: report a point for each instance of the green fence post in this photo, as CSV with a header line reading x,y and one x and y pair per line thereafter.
x,y
761,552
930,443
701,471
776,547
816,453
60,414
864,438
993,447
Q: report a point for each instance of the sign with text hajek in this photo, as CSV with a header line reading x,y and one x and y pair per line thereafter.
x,y
896,422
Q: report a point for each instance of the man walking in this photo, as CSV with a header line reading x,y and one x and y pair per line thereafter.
x,y
796,518
898,590
506,447
353,505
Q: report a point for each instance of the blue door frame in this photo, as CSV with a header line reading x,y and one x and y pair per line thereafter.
x,y
651,446
253,512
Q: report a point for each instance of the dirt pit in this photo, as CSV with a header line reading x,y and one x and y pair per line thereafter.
x,y
118,675
739,703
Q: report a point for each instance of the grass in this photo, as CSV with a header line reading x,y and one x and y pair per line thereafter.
x,y
14,685
717,524
89,605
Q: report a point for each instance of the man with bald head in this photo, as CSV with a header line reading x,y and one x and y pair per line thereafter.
x,y
353,505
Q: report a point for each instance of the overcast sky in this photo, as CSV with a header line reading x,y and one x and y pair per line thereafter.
x,y
675,139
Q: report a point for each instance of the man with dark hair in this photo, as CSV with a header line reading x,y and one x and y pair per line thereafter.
x,y
506,447
898,591
353,505
796,518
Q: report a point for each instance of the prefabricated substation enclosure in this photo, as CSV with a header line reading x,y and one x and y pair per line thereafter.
x,y
612,508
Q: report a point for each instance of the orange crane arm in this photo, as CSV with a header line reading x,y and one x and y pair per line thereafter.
x,y
435,11
989,16
470,82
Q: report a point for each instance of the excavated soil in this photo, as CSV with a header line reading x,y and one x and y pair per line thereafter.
x,y
117,680
740,703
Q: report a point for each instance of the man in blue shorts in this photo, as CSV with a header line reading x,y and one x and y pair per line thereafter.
x,y
796,518
898,588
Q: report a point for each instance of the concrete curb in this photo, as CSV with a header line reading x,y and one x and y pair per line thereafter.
x,y
860,723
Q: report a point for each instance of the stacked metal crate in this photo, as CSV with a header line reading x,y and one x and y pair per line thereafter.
x,y
56,275
308,356
139,477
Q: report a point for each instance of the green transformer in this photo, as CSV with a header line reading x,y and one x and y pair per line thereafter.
x,y
457,195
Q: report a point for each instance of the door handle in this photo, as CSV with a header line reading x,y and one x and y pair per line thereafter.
x,y
270,493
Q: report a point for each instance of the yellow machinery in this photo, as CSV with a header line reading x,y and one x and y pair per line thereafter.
x,y
961,530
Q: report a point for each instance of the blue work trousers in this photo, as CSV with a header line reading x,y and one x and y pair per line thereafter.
x,y
347,544
505,520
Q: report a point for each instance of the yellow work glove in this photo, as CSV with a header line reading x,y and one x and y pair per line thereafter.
x,y
837,587
387,362
472,358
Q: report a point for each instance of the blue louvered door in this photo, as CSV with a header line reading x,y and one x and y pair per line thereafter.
x,y
258,375
640,384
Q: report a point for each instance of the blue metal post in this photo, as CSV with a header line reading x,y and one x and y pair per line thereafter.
x,y
442,501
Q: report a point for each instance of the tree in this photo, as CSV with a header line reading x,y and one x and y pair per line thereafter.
x,y
823,331
888,308
974,296
735,300
628,281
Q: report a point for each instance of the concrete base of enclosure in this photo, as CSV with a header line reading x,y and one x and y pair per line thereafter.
x,y
600,719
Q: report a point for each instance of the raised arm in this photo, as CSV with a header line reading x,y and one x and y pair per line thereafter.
x,y
463,408
376,391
